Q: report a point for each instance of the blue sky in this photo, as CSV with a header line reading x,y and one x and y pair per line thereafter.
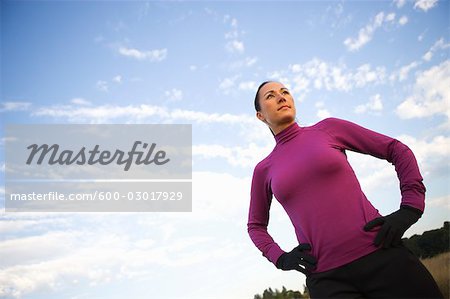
x,y
381,64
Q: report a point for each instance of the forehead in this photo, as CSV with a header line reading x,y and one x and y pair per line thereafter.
x,y
271,86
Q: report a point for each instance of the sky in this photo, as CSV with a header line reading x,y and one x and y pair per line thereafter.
x,y
381,64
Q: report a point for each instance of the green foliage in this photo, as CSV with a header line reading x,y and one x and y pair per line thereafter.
x,y
430,243
283,294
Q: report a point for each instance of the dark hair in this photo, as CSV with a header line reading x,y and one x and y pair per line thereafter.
x,y
257,105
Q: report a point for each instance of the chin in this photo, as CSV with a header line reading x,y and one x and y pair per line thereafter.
x,y
288,119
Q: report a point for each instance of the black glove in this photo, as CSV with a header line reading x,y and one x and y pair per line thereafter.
x,y
297,259
393,226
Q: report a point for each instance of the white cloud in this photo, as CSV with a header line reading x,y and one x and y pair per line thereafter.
x,y
432,155
236,156
335,16
227,84
365,75
390,17
322,75
427,56
421,36
193,68
366,33
301,86
210,12
374,105
235,46
44,246
226,18
403,20
234,41
280,76
400,3
248,85
247,62
295,68
14,106
102,85
234,23
331,77
339,9
62,259
152,55
13,223
425,5
202,117
372,173
103,250
136,114
438,45
231,34
80,101
439,146
118,79
255,131
439,202
431,95
322,112
404,71
173,94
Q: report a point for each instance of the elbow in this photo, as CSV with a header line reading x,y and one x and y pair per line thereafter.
x,y
400,153
255,228
415,187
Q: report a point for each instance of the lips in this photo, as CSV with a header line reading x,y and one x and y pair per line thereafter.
x,y
284,106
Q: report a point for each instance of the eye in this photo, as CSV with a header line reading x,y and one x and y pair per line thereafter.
x,y
285,92
269,96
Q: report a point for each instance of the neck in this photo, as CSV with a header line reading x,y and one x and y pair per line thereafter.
x,y
277,129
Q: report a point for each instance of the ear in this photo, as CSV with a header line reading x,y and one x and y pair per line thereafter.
x,y
260,116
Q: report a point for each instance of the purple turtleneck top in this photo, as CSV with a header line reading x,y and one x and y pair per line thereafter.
x,y
308,173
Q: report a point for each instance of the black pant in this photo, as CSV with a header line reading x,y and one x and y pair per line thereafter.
x,y
386,273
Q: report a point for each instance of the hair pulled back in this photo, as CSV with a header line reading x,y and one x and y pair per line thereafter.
x,y
257,105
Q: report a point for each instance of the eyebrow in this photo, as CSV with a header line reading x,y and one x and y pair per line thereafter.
x,y
283,88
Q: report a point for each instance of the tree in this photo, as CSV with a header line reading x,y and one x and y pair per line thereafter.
x,y
283,294
430,243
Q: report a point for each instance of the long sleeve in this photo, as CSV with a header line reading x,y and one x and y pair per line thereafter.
x,y
258,217
349,136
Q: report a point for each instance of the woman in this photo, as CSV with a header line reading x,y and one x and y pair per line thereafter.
x,y
346,248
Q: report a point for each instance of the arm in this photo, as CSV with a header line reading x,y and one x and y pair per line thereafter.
x,y
349,136
258,219
258,216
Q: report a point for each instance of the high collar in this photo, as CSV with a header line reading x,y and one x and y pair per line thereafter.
x,y
288,133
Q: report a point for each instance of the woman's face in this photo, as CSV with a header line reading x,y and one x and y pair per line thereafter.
x,y
277,106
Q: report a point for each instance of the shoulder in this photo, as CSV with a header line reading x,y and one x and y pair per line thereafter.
x,y
326,126
330,122
336,126
263,166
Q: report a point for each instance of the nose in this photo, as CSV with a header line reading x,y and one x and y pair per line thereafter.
x,y
281,98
